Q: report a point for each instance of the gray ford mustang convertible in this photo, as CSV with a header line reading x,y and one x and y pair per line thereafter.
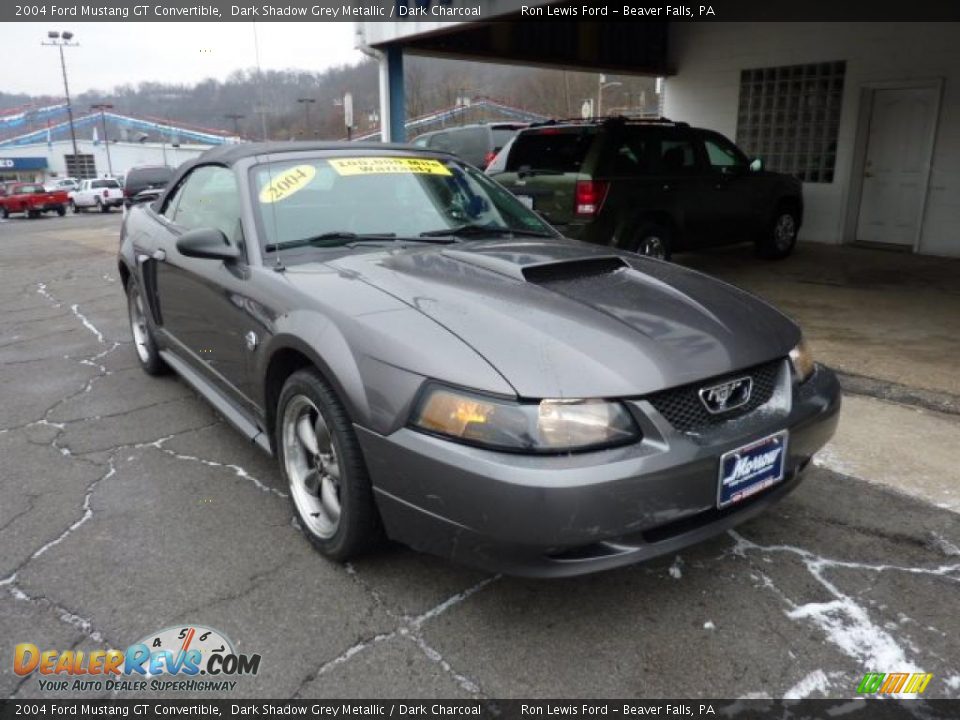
x,y
430,361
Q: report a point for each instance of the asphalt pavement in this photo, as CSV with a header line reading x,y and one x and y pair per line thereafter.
x,y
127,505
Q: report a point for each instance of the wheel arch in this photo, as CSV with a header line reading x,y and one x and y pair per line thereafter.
x,y
628,227
288,353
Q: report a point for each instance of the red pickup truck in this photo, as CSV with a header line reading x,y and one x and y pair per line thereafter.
x,y
31,200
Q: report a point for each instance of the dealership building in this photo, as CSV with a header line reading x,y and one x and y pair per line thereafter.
x,y
867,114
108,144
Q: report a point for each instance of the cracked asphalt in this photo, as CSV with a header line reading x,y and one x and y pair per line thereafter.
x,y
127,505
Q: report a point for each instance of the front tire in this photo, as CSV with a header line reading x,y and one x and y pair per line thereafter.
x,y
4,212
61,210
779,240
143,340
320,458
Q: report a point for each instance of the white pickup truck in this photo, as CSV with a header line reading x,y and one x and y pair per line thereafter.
x,y
102,194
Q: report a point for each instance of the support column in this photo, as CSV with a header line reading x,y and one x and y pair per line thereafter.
x,y
396,101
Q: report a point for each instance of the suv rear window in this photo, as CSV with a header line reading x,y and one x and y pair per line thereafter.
x,y
104,184
551,149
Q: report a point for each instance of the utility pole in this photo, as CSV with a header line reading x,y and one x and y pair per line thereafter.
x,y
61,40
103,124
306,102
236,117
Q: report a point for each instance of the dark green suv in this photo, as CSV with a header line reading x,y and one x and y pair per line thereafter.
x,y
650,186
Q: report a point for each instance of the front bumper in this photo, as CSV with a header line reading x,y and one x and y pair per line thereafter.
x,y
568,515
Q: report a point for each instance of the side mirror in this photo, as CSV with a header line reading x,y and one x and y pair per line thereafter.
x,y
756,165
207,243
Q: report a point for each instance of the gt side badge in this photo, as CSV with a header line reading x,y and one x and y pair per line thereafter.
x,y
252,340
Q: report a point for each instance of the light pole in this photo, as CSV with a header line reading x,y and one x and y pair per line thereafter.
x,y
103,124
602,85
61,40
306,102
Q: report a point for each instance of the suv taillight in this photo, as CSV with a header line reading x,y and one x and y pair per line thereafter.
x,y
589,197
488,158
105,193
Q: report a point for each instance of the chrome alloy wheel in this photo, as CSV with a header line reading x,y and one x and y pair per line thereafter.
x,y
138,326
312,465
784,231
652,246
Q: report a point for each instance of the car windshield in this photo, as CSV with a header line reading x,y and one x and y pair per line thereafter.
x,y
403,197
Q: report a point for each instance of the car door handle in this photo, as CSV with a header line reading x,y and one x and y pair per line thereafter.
x,y
158,255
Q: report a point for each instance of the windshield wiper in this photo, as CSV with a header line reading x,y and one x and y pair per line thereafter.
x,y
337,238
479,230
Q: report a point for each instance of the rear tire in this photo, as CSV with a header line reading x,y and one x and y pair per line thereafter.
x,y
61,210
652,239
320,458
781,237
74,208
143,341
4,213
101,207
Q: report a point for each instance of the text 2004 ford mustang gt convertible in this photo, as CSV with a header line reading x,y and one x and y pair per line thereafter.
x,y
428,359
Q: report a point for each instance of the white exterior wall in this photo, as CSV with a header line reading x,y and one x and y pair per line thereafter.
x,y
122,155
705,92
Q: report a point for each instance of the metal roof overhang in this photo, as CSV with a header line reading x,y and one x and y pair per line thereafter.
x,y
621,46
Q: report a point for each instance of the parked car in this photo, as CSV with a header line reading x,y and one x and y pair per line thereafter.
x,y
102,195
68,184
475,144
32,200
429,359
651,187
145,177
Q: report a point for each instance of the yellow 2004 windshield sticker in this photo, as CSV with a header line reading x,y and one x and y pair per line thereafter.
x,y
290,181
387,165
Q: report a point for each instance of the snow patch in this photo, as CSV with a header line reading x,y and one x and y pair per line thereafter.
x,y
75,309
676,570
828,458
817,681
845,623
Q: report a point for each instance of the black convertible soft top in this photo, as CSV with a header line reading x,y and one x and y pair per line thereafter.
x,y
229,154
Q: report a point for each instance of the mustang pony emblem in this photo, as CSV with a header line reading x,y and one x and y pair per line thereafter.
x,y
727,396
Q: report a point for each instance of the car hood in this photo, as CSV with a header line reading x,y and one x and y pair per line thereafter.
x,y
564,319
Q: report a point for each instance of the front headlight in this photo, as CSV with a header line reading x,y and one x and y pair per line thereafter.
x,y
802,360
540,427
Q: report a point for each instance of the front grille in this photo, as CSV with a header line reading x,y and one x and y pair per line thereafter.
x,y
684,410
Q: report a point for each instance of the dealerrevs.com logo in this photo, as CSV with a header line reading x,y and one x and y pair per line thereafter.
x,y
185,658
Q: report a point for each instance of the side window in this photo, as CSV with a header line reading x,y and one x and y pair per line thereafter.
x,y
440,141
677,156
723,155
209,199
633,156
170,209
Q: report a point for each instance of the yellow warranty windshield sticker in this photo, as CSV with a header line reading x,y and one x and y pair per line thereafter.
x,y
287,183
387,165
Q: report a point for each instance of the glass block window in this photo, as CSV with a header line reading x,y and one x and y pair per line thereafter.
x,y
789,117
80,166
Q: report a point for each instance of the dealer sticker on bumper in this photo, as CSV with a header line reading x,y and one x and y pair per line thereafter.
x,y
752,468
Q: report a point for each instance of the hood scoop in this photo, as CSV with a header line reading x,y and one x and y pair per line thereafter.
x,y
537,270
